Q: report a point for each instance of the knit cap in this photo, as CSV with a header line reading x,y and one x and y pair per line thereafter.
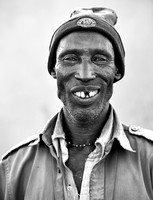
x,y
97,19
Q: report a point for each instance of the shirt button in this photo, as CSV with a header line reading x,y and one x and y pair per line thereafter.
x,y
69,187
134,128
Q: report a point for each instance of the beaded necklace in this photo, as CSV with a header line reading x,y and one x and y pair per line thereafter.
x,y
79,145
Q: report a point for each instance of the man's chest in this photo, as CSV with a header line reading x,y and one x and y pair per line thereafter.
x,y
76,163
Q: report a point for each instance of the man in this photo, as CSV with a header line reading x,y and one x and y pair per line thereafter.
x,y
84,152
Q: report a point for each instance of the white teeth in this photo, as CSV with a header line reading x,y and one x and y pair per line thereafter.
x,y
85,95
78,94
82,94
93,93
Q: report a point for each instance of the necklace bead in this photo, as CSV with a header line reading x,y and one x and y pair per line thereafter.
x,y
79,145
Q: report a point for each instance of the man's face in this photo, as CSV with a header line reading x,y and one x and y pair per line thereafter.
x,y
85,72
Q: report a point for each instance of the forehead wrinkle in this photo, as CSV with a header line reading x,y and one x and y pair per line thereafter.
x,y
84,36
77,41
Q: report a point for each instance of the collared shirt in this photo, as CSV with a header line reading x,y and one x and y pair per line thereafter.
x,y
35,170
93,177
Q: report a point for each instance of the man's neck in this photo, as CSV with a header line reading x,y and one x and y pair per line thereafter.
x,y
78,132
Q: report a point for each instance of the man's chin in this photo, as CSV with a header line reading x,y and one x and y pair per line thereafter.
x,y
86,116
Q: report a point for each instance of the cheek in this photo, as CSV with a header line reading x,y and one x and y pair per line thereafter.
x,y
63,73
108,75
65,77
62,84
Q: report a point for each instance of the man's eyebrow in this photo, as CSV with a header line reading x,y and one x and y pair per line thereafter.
x,y
81,51
69,51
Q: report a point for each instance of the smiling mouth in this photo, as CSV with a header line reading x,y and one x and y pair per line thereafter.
x,y
86,94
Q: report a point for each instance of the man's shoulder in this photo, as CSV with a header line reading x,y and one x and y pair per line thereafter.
x,y
138,132
34,139
30,141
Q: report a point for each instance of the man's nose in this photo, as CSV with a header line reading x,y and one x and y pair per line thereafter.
x,y
85,72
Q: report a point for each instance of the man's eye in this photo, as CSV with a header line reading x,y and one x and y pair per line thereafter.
x,y
70,59
99,59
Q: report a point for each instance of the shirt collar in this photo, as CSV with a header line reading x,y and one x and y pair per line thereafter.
x,y
106,132
120,135
58,134
113,129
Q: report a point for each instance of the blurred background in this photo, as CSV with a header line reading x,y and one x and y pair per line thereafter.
x,y
28,93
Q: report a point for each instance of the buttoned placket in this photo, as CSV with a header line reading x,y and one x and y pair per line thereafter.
x,y
71,192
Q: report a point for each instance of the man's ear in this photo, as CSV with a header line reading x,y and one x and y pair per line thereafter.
x,y
53,73
117,75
